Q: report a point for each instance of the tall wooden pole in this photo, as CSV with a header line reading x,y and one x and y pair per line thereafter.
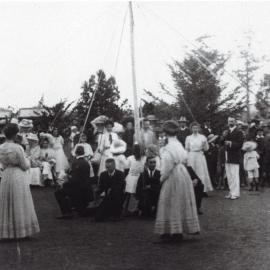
x,y
135,95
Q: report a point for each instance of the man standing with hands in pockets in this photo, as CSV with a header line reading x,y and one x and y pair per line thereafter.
x,y
233,143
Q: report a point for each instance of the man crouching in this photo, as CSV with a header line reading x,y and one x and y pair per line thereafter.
x,y
112,184
76,191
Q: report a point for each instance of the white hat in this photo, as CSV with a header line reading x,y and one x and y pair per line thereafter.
x,y
32,137
212,138
100,120
14,121
118,128
249,146
118,147
26,123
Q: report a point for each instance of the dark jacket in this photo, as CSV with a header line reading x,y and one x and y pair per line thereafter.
x,y
234,151
113,186
80,172
182,135
145,180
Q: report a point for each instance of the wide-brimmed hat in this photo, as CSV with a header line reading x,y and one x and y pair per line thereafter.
x,y
211,138
182,119
152,151
26,123
171,127
118,147
249,146
118,128
32,137
100,120
14,121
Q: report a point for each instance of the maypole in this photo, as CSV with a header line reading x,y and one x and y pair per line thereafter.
x,y
135,96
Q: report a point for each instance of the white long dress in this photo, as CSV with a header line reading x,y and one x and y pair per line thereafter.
x,y
196,145
35,171
17,213
177,212
57,144
104,149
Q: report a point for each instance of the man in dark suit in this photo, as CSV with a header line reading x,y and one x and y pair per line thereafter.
x,y
76,192
233,144
198,188
148,188
112,184
183,131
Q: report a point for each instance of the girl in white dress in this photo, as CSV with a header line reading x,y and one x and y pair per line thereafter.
x,y
118,148
106,141
17,213
88,152
177,212
196,145
47,159
33,153
135,164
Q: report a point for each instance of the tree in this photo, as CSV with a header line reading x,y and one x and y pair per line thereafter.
x,y
200,92
58,115
263,98
106,101
246,73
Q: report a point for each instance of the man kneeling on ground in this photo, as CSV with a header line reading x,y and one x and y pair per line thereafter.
x,y
148,189
112,184
76,191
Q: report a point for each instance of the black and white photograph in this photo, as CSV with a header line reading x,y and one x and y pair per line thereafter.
x,y
134,135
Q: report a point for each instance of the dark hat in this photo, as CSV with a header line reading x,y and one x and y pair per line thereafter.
x,y
171,127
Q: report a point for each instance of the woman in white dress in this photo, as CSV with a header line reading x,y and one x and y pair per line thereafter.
x,y
57,143
196,145
17,213
104,149
177,213
33,155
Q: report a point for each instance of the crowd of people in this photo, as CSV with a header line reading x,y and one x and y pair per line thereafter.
x,y
162,174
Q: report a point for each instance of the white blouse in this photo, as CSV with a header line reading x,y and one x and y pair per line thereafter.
x,y
196,143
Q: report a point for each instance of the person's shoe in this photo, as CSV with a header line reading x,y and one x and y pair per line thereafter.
x,y
69,216
228,196
234,198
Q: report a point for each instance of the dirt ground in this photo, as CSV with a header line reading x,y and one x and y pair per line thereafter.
x,y
234,235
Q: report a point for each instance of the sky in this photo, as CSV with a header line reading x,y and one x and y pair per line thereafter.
x,y
51,48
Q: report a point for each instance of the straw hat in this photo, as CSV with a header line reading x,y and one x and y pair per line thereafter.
x,y
100,120
249,146
152,151
14,121
32,137
26,123
118,128
118,147
212,138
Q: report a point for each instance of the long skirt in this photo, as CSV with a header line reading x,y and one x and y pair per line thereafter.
x,y
17,213
198,163
61,161
177,212
35,177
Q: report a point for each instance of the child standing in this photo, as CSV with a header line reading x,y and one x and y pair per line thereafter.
x,y
135,165
251,164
